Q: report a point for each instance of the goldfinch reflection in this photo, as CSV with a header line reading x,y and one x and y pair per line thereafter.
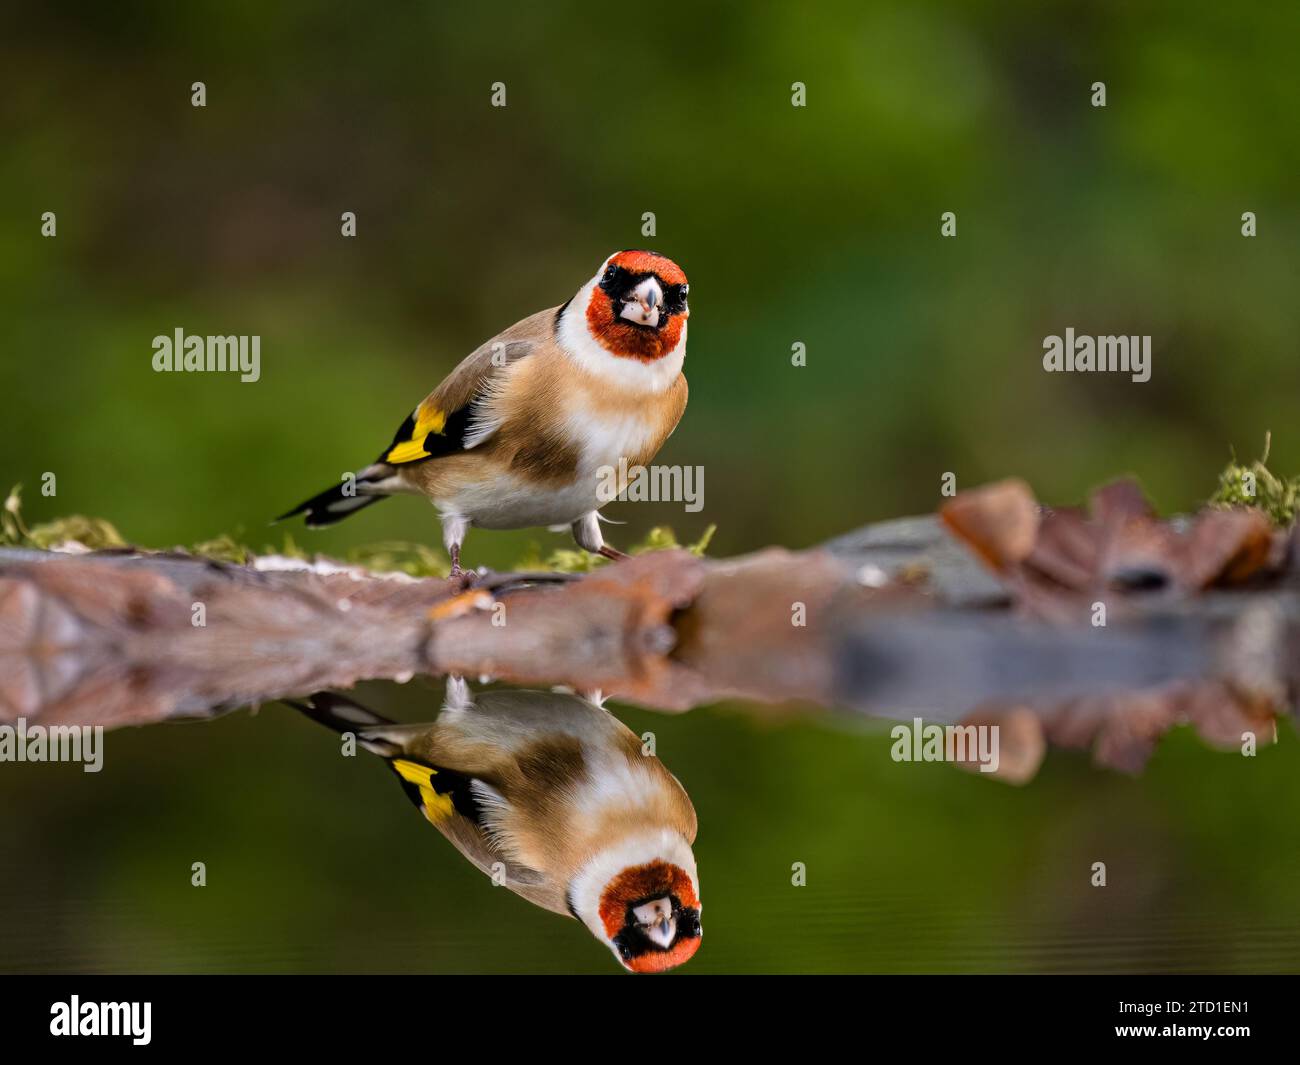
x,y
554,794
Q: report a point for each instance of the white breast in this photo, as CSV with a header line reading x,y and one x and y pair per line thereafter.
x,y
507,502
602,439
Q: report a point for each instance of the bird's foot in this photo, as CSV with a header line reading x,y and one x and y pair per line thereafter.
x,y
613,553
461,580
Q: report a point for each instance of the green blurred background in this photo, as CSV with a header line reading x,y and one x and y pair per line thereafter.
x,y
818,225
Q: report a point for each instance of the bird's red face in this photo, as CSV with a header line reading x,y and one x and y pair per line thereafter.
x,y
651,915
638,306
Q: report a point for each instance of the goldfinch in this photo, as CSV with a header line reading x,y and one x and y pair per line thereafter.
x,y
519,433
552,796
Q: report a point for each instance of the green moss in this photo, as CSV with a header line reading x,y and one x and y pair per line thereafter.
x,y
94,533
571,560
1255,485
224,548
392,556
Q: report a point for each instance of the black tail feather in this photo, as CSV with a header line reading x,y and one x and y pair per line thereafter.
x,y
333,504
337,712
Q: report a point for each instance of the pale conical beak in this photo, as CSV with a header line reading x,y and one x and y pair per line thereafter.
x,y
657,922
662,933
643,304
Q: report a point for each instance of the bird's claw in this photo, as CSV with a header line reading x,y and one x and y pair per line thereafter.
x,y
461,580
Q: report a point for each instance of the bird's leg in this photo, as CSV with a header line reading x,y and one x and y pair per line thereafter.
x,y
586,531
458,697
453,535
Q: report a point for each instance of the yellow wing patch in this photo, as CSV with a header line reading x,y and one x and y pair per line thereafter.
x,y
436,807
424,420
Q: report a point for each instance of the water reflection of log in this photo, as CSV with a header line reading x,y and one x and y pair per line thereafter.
x,y
989,611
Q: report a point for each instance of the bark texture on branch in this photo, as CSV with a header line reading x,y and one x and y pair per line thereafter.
x,y
985,612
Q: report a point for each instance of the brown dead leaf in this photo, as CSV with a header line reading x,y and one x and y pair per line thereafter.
x,y
999,522
1114,550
